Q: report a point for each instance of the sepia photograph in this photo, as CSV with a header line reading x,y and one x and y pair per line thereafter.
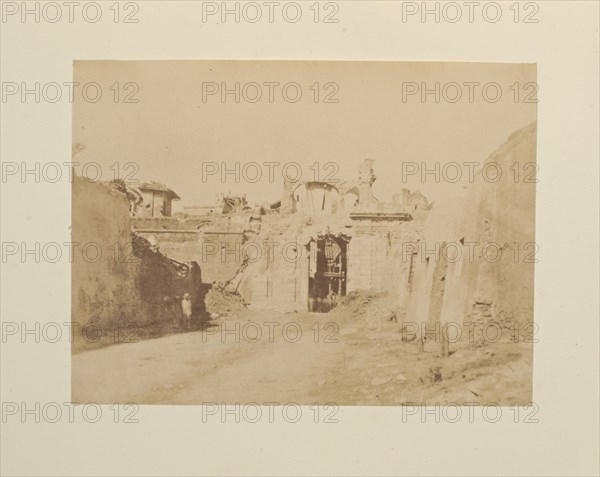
x,y
341,233
299,238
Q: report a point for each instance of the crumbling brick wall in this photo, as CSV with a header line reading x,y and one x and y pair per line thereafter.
x,y
221,247
177,239
103,288
120,281
378,258
183,246
505,216
500,213
279,277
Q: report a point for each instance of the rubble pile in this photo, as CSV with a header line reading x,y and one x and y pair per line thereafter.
x,y
221,303
366,306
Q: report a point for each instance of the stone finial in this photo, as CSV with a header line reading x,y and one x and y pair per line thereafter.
x,y
287,201
366,177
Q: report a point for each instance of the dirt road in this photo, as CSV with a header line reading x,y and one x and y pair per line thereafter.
x,y
263,359
302,358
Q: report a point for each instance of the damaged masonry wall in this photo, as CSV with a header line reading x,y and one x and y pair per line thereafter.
x,y
428,286
277,263
265,255
120,278
103,282
487,270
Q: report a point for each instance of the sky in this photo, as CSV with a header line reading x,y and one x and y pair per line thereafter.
x,y
184,133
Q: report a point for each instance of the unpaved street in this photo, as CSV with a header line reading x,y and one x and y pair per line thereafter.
x,y
332,360
229,363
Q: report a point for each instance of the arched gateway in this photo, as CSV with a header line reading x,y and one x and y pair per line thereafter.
x,y
327,271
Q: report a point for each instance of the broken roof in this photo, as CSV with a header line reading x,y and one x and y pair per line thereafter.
x,y
158,187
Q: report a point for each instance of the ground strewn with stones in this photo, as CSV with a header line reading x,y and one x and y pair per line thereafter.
x,y
343,357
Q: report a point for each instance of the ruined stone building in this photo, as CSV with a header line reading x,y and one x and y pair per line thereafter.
x,y
157,199
118,277
325,240
321,241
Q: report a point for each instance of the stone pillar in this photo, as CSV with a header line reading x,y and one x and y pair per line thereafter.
x,y
287,201
366,177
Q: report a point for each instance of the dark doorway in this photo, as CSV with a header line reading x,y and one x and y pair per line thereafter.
x,y
327,272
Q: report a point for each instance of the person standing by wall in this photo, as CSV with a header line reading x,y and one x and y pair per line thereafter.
x,y
186,308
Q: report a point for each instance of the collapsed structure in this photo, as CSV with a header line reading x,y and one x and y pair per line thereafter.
x,y
119,277
324,240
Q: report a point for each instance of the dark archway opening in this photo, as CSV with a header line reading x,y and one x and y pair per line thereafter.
x,y
327,272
